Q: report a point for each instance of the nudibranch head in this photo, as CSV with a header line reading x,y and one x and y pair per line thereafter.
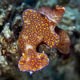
x,y
33,61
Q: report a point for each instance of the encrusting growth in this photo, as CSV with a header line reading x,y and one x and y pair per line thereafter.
x,y
37,28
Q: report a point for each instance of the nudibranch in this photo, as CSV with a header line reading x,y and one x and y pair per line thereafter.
x,y
37,28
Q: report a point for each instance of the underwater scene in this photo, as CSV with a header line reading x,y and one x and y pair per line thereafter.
x,y
39,39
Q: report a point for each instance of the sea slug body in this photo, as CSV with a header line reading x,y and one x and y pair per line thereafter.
x,y
37,28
